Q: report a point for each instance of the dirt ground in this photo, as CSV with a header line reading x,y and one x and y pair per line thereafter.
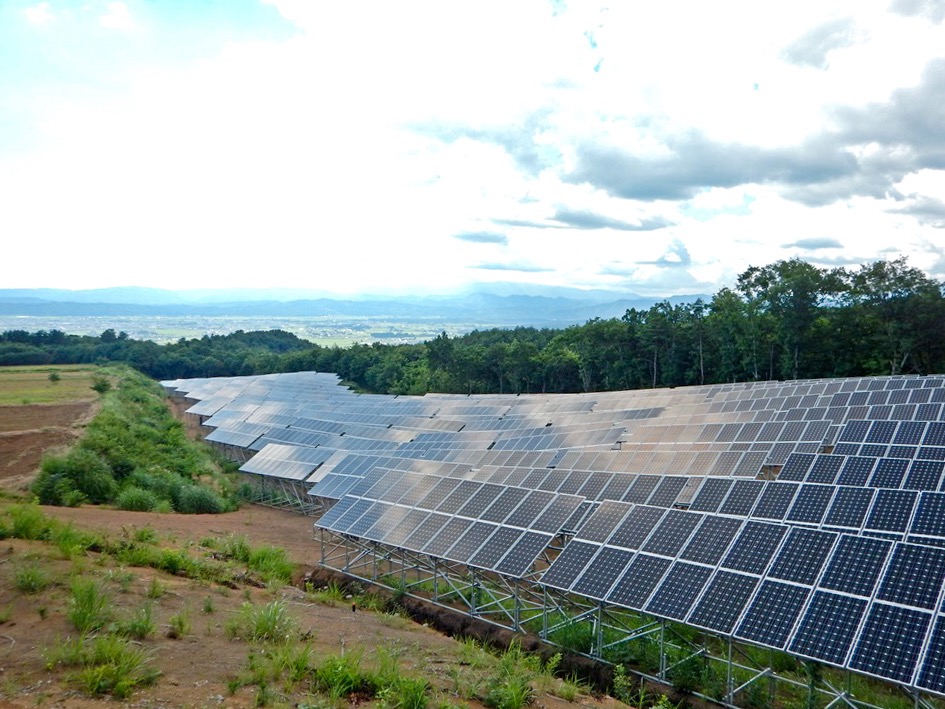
x,y
198,669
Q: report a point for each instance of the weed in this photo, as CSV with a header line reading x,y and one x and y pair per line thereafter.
x,y
29,522
341,675
123,578
108,665
31,579
405,693
269,623
329,595
140,625
156,588
179,625
271,564
88,605
208,607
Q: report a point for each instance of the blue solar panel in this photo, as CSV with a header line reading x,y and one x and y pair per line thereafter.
x,y
828,627
772,613
890,642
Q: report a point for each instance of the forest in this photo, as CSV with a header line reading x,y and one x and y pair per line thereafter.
x,y
786,320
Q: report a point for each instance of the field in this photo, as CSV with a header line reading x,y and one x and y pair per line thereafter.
x,y
322,330
165,610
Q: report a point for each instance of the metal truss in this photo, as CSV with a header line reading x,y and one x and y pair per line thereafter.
x,y
284,494
518,604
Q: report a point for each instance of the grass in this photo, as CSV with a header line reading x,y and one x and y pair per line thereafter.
x,y
269,623
31,579
32,385
89,605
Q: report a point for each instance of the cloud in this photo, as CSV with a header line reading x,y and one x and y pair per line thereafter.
x,y
518,139
118,18
927,210
587,220
934,10
482,237
675,256
582,219
815,244
913,118
39,15
520,267
812,48
696,163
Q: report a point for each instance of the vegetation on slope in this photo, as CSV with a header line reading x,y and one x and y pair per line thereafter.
x,y
136,455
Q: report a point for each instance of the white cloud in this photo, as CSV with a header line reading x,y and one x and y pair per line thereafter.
x,y
118,17
39,15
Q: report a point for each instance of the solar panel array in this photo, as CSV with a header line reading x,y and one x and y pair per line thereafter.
x,y
806,516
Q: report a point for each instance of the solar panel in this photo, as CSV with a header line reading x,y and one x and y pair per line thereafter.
x,y
530,508
602,522
914,576
507,501
856,565
668,490
470,542
521,557
754,547
446,536
924,474
556,515
480,500
772,613
672,533
775,500
570,564
825,469
711,494
930,515
638,581
892,510
890,642
849,507
796,467
599,576
889,473
802,555
641,489
679,590
637,526
491,553
723,601
742,497
811,503
932,675
711,540
828,627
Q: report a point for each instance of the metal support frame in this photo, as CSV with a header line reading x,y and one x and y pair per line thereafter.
x,y
284,494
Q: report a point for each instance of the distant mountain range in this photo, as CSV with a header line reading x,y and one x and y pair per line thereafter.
x,y
501,303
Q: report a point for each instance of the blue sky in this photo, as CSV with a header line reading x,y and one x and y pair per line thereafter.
x,y
658,148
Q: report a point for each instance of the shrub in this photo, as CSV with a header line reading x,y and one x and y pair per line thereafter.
x,y
136,499
194,499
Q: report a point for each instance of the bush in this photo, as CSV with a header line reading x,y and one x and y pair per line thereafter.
x,y
79,471
135,499
193,499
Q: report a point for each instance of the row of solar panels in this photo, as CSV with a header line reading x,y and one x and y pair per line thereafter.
x,y
869,604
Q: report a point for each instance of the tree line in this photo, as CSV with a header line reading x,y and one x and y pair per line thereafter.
x,y
786,320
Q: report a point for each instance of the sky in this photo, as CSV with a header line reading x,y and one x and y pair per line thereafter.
x,y
658,148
